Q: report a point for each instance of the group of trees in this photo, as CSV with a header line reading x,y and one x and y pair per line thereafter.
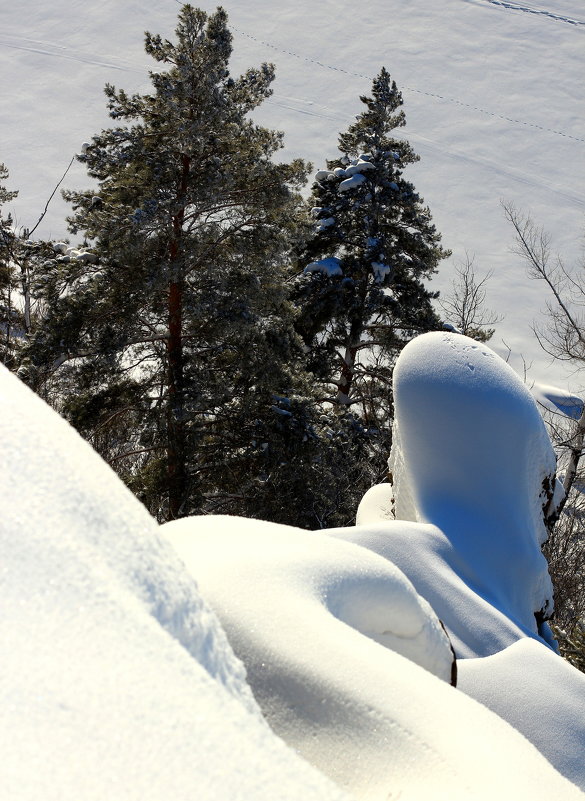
x,y
226,345
222,346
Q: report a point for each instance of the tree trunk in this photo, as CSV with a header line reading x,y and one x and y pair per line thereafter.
x,y
176,468
176,445
345,382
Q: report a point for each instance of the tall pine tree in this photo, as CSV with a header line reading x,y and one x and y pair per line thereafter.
x,y
361,294
9,317
170,330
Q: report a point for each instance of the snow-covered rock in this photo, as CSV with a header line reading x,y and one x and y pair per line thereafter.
x,y
317,626
471,456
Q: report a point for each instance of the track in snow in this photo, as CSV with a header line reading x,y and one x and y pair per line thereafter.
x,y
529,10
443,98
58,51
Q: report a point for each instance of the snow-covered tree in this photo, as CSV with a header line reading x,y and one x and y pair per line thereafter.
x,y
171,329
359,283
6,277
19,259
361,293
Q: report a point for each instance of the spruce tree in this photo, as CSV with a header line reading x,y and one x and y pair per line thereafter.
x,y
170,331
361,293
359,289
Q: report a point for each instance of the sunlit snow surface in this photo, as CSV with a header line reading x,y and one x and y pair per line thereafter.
x,y
471,460
318,627
116,680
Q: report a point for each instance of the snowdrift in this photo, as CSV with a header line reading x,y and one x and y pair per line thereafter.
x,y
117,680
472,461
336,687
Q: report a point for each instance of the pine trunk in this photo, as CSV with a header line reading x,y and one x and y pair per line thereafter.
x,y
176,445
347,374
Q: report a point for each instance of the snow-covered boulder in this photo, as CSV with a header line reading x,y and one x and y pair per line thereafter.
x,y
321,626
117,680
471,459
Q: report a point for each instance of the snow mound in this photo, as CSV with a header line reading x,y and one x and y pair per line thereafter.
x,y
471,456
295,606
558,400
376,505
539,694
117,680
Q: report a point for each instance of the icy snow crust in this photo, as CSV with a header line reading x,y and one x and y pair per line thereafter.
x,y
296,606
117,680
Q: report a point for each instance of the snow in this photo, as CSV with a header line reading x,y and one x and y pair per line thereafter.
x,y
358,166
470,458
330,267
326,223
542,696
321,625
323,175
380,271
117,680
558,400
351,183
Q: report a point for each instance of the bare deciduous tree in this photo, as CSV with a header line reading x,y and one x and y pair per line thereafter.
x,y
562,336
464,306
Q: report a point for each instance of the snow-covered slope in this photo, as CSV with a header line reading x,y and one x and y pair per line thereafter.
x,y
318,624
493,91
117,680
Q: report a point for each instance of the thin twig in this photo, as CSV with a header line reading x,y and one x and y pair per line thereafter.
x,y
51,197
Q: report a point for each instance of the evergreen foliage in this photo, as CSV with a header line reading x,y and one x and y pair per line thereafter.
x,y
19,308
360,289
361,292
172,338
10,319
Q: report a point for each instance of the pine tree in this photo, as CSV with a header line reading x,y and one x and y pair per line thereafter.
x,y
361,293
170,331
19,308
9,317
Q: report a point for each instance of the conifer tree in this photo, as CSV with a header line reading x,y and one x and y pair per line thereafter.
x,y
361,293
8,314
19,259
173,336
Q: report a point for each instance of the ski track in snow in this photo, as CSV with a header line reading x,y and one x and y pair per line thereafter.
x,y
443,98
59,51
529,10
510,172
